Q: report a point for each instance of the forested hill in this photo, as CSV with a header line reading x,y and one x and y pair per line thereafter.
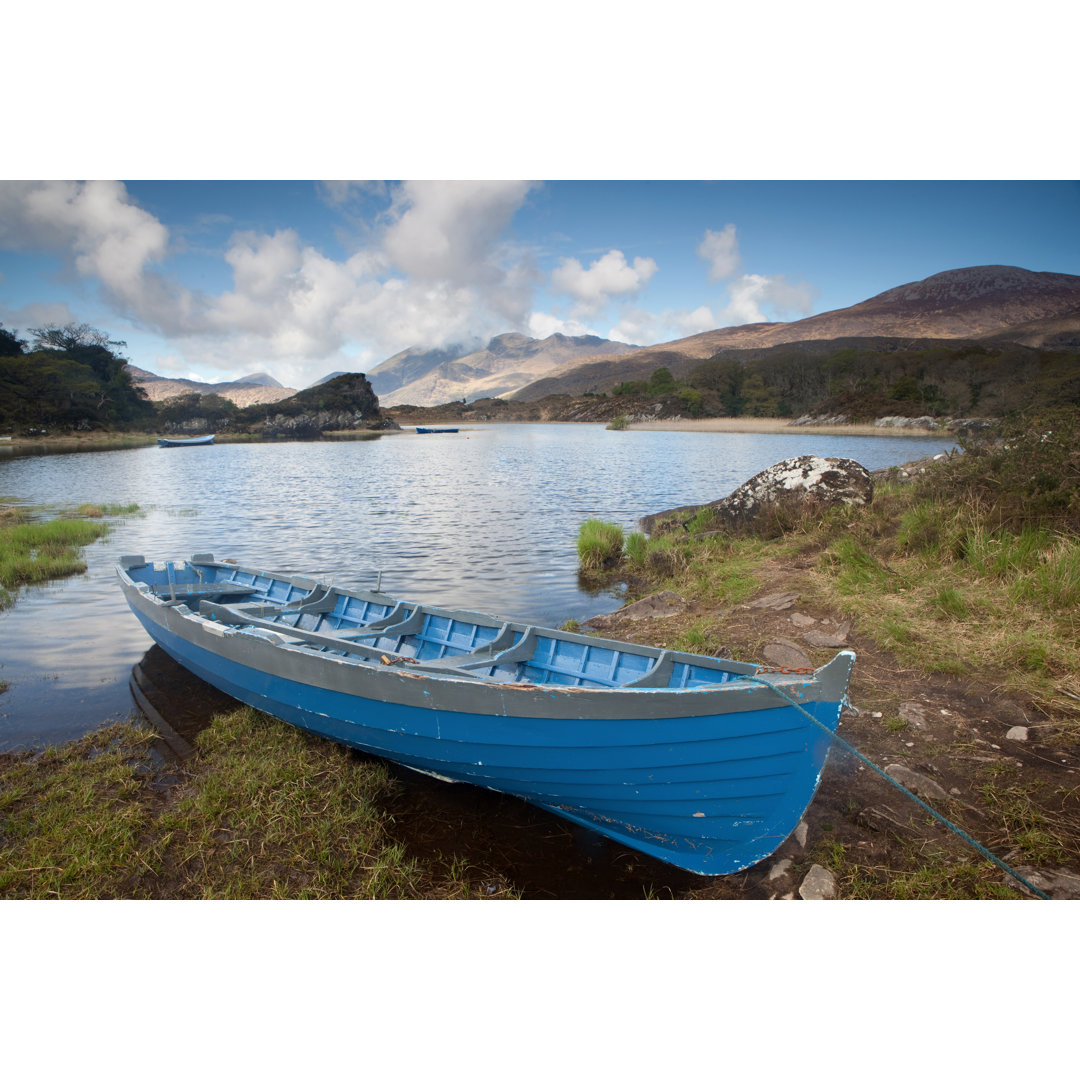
x,y
70,379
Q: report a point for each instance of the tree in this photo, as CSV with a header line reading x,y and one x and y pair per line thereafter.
x,y
72,336
661,381
71,379
10,345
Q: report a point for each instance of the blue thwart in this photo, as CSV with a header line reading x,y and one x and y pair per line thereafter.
x,y
704,763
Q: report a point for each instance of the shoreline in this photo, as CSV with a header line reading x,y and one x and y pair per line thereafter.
x,y
763,425
754,425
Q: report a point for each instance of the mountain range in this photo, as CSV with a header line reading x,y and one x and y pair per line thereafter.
x,y
979,303
257,389
507,363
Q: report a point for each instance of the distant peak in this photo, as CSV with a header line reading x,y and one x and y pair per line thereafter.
x,y
970,282
259,378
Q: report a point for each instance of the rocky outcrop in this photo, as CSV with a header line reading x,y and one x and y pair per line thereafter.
x,y
795,483
310,425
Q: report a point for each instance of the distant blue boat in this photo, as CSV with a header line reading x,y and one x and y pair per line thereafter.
x,y
436,431
690,759
201,440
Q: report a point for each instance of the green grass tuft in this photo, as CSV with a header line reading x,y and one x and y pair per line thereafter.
x,y
32,551
636,548
599,545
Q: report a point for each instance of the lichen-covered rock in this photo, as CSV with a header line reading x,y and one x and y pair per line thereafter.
x,y
795,483
822,480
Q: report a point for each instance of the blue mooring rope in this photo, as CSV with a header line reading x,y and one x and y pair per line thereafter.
x,y
915,798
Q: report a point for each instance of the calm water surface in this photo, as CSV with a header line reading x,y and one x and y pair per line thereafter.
x,y
486,519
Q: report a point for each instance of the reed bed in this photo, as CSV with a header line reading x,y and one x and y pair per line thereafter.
x,y
34,550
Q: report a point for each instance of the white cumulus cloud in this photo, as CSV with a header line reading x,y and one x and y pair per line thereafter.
x,y
607,277
433,269
694,322
637,327
752,293
450,230
543,324
721,251
93,223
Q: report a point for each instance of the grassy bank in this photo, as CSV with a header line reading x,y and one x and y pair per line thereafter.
x,y
972,569
961,592
82,440
34,550
263,811
765,425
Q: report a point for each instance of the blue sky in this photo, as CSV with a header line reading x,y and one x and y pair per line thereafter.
x,y
216,279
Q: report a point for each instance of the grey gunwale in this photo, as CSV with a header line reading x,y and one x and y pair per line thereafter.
x,y
243,633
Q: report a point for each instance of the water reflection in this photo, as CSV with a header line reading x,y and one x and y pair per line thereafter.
x,y
486,520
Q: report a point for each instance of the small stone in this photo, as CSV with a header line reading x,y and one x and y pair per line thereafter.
x,y
799,619
913,713
818,639
1058,886
776,601
1017,734
784,653
819,884
659,605
779,870
921,785
800,833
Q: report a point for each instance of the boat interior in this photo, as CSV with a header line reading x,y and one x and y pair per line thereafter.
x,y
374,628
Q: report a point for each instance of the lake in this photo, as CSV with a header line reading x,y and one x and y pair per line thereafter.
x,y
486,519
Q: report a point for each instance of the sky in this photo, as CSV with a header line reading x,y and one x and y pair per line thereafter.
x,y
713,165
215,279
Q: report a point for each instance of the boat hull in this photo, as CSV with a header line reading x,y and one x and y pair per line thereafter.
x,y
711,780
201,440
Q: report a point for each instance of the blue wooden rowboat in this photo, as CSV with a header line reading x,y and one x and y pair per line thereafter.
x,y
694,760
200,440
436,431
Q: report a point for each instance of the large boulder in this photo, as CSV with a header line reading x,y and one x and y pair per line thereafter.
x,y
795,483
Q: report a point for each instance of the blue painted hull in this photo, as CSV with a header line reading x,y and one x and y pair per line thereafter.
x,y
711,779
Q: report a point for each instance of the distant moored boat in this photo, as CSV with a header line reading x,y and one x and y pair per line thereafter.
x,y
201,440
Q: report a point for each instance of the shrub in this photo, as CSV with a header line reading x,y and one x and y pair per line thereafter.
x,y
1030,476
